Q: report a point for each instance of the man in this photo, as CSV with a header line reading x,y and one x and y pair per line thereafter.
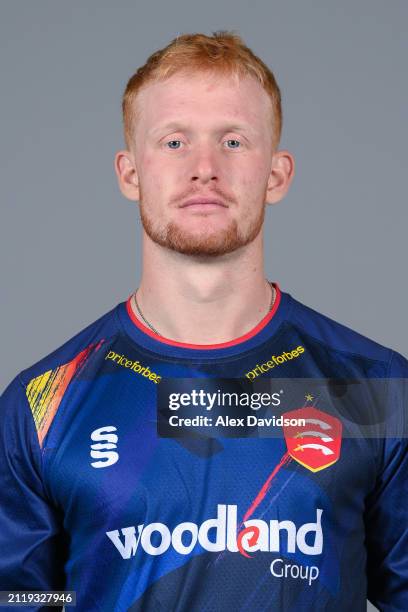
x,y
100,494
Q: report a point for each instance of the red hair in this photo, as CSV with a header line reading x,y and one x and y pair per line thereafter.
x,y
224,53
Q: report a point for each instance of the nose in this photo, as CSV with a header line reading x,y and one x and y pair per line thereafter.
x,y
204,165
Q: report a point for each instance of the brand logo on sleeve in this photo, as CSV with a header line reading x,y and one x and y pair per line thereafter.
x,y
103,447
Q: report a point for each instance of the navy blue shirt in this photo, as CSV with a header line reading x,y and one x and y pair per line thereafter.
x,y
95,501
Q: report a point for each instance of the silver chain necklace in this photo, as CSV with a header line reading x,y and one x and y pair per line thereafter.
x,y
155,330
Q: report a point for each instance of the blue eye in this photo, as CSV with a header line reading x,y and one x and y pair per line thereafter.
x,y
173,142
176,144
234,141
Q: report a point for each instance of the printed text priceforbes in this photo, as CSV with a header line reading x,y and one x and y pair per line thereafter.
x,y
274,361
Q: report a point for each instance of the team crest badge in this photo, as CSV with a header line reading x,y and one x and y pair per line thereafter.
x,y
315,445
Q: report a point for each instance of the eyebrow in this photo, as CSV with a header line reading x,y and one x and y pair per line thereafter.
x,y
176,126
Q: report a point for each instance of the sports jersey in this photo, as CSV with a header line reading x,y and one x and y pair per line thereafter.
x,y
94,499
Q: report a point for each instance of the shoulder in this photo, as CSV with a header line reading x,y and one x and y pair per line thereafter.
x,y
31,400
71,356
341,339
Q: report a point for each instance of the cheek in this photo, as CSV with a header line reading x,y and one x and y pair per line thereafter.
x,y
252,172
251,188
147,166
151,176
252,183
157,175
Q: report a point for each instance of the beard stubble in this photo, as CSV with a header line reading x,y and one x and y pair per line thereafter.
x,y
172,236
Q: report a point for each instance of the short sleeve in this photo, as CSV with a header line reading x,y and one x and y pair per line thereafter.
x,y
387,505
32,544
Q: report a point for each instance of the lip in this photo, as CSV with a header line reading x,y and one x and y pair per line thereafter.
x,y
201,201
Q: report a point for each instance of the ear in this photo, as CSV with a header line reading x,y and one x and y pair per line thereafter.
x,y
126,173
280,178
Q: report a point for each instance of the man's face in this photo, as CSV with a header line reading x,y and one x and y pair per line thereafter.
x,y
203,137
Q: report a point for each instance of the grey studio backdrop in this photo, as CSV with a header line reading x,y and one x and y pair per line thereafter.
x,y
70,243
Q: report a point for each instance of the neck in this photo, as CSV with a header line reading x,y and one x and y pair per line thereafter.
x,y
203,300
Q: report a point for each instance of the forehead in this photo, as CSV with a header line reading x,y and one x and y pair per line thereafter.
x,y
203,98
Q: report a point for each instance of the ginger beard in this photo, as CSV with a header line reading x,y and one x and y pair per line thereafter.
x,y
206,243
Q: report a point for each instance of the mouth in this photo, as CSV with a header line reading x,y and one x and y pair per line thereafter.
x,y
204,203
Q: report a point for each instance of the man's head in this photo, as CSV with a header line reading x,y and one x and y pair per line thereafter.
x,y
202,121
